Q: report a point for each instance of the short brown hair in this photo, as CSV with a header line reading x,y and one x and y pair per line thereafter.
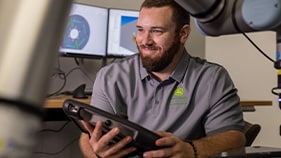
x,y
180,15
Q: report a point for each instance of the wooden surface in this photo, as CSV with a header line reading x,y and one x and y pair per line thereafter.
x,y
57,102
256,103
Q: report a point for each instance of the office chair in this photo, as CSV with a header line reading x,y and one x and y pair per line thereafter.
x,y
251,132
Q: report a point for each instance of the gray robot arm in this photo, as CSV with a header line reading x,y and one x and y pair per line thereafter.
x,y
222,17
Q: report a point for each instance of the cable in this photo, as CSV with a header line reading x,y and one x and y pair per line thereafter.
x,y
275,90
83,70
56,130
70,71
63,77
244,34
59,151
262,52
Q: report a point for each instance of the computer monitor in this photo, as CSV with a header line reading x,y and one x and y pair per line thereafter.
x,y
122,32
86,32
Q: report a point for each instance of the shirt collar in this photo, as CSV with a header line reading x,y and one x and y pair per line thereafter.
x,y
178,73
143,72
181,68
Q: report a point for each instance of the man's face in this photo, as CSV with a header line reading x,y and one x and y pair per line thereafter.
x,y
157,39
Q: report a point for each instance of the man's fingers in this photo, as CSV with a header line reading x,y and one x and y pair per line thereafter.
x,y
108,137
87,126
167,139
119,146
97,132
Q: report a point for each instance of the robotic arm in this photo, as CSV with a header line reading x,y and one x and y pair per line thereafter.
x,y
223,17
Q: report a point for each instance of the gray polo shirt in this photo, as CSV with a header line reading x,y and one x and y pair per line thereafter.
x,y
198,99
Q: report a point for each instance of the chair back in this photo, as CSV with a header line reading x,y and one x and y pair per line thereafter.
x,y
251,132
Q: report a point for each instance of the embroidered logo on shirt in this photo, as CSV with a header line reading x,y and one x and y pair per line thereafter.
x,y
179,92
178,98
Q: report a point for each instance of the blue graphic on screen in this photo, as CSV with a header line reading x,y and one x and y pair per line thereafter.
x,y
77,33
127,19
128,33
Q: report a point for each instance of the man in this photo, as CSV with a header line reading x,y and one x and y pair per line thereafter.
x,y
190,102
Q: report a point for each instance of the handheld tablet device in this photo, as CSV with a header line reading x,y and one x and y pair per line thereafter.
x,y
143,139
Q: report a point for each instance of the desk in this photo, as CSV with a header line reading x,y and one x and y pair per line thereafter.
x,y
54,111
57,102
53,107
251,152
249,105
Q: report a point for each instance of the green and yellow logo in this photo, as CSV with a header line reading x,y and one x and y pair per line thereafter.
x,y
179,92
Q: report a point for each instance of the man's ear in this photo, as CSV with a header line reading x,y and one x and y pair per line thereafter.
x,y
184,33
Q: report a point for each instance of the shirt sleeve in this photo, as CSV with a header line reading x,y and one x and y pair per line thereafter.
x,y
225,111
99,97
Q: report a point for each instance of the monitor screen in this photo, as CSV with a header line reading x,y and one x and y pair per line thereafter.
x,y
86,32
122,32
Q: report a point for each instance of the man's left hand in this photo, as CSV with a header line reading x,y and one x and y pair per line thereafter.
x,y
173,147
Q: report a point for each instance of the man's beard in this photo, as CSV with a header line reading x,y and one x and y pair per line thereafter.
x,y
160,62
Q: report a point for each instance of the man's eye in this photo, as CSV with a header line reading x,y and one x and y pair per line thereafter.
x,y
140,30
157,31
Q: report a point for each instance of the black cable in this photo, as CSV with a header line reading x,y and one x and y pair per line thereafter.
x,y
70,71
84,71
262,52
59,151
63,77
56,130
76,61
244,34
275,90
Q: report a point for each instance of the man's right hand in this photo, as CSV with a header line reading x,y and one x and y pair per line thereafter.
x,y
100,143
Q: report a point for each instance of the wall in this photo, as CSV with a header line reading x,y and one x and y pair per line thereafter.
x,y
254,76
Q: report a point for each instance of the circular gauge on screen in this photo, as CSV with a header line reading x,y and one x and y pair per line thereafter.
x,y
77,33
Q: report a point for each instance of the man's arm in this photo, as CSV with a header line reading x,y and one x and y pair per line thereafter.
x,y
201,148
217,143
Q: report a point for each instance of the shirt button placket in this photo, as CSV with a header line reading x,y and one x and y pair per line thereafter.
x,y
157,96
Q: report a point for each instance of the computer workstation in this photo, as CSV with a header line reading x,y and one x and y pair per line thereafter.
x,y
99,32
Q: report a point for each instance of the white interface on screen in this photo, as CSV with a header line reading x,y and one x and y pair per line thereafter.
x,y
122,32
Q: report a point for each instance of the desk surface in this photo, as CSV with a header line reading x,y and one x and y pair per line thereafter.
x,y
57,102
251,152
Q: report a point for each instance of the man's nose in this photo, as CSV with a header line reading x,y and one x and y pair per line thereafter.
x,y
147,38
